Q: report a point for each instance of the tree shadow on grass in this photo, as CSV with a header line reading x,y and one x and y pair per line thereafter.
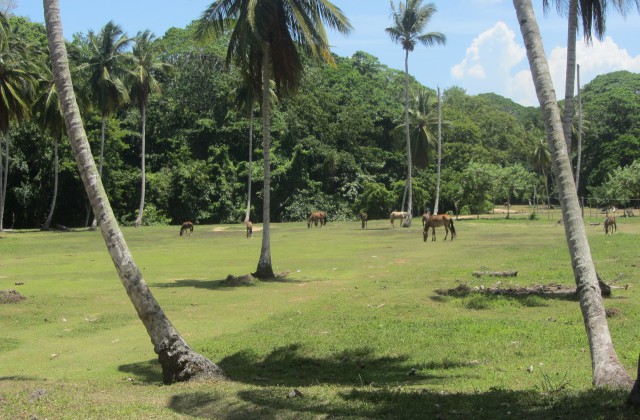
x,y
526,296
218,284
145,372
397,403
291,366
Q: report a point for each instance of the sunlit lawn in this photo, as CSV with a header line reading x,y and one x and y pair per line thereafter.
x,y
355,323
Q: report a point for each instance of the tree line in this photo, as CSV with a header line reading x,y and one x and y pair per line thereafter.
x,y
337,143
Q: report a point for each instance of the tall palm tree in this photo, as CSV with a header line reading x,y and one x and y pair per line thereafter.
x,y
143,84
107,66
179,362
436,203
18,72
423,117
542,161
607,371
409,21
50,117
274,33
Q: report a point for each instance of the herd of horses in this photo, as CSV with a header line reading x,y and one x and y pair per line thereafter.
x,y
429,221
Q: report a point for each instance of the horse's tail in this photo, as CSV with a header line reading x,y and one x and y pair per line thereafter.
x,y
453,230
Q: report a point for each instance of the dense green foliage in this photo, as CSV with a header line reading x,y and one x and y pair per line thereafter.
x,y
337,144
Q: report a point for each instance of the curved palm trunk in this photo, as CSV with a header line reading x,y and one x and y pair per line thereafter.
x,y
607,371
179,362
143,112
436,204
265,269
407,222
4,177
47,223
246,215
570,80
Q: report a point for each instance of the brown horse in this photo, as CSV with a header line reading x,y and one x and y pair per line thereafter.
x,y
317,216
431,221
610,224
364,218
249,227
397,215
186,227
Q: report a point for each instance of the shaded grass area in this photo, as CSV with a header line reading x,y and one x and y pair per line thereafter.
x,y
356,324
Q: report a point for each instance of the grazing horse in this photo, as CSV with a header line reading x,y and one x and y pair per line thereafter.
x,y
249,227
610,224
186,227
364,218
317,216
431,221
397,215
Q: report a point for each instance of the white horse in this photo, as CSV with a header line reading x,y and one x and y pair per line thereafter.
x,y
397,215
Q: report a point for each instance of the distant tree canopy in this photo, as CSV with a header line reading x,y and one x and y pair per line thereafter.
x,y
335,144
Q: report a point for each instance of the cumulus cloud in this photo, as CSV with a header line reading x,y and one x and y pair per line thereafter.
x,y
489,61
496,62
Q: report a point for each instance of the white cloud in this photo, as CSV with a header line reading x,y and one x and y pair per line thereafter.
x,y
489,61
494,63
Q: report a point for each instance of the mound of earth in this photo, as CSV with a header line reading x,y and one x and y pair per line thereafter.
x,y
10,296
246,280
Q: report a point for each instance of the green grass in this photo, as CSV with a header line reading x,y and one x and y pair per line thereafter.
x,y
356,325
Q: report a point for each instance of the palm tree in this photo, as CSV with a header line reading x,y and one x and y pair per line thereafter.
x,y
179,362
439,168
143,84
107,67
409,21
542,161
423,117
273,33
607,371
17,85
593,16
49,111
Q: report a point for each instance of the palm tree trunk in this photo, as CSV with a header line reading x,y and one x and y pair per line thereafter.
x,y
265,269
247,213
407,222
436,204
607,371
179,362
1,182
570,79
47,223
143,112
4,176
578,162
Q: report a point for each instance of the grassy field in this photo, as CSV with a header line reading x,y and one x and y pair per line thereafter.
x,y
357,324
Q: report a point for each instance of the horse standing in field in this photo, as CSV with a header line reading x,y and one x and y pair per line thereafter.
x,y
249,227
431,221
364,218
186,227
397,215
610,224
317,216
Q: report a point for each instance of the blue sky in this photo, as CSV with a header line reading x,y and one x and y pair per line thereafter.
x,y
484,50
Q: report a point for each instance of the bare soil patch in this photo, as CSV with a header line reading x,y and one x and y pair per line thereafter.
x,y
10,296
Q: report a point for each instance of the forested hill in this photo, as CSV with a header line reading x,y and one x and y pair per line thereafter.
x,y
337,145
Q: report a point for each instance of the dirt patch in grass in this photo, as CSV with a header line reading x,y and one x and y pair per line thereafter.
x,y
538,290
10,296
